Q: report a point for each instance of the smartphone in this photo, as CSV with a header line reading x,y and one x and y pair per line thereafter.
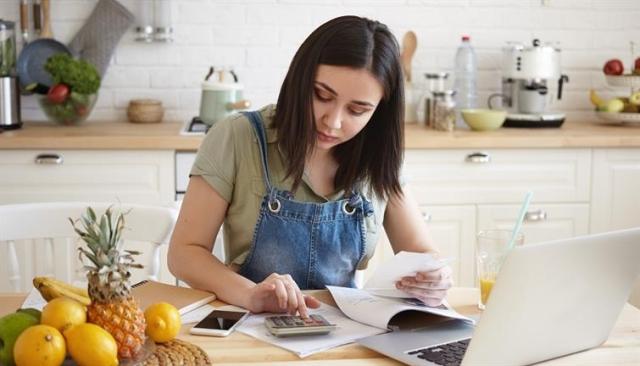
x,y
219,323
295,325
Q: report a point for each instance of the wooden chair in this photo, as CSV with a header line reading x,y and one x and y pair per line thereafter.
x,y
37,239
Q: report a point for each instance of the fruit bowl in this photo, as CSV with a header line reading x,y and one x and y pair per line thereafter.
x,y
620,118
630,81
74,110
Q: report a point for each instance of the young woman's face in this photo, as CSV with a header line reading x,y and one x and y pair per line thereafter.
x,y
344,100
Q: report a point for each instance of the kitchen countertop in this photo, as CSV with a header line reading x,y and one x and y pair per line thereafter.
x,y
166,136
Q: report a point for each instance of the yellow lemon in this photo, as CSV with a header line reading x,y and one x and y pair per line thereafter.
x,y
163,322
40,345
63,312
90,345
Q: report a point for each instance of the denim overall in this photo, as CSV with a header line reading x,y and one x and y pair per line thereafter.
x,y
318,244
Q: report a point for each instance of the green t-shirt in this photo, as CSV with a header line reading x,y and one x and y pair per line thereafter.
x,y
229,160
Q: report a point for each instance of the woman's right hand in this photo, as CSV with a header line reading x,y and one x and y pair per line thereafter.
x,y
280,294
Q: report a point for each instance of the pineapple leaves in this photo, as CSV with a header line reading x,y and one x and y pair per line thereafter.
x,y
102,235
91,214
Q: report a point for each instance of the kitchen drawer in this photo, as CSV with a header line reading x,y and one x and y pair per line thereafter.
x,y
498,176
543,222
145,177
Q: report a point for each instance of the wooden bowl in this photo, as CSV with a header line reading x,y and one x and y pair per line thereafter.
x,y
145,111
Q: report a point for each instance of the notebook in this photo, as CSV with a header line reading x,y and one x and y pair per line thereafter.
x,y
184,299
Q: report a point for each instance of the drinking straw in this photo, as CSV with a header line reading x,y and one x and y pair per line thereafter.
x,y
523,211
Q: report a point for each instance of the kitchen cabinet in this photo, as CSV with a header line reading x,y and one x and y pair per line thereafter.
x,y
615,201
135,176
452,228
615,197
463,191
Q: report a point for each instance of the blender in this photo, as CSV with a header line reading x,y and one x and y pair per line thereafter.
x,y
9,90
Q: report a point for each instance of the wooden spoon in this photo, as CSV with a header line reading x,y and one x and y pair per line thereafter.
x,y
409,45
46,20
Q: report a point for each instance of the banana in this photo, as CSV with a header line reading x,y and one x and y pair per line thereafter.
x,y
51,288
596,100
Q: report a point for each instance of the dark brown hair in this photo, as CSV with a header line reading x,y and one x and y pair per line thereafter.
x,y
375,154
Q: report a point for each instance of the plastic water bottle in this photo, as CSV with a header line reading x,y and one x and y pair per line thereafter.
x,y
465,79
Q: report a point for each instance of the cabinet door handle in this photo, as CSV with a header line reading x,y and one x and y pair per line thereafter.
x,y
48,159
538,215
426,217
478,158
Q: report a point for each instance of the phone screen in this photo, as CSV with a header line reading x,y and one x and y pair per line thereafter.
x,y
219,319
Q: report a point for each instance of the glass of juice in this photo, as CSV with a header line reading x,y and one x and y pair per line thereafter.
x,y
491,250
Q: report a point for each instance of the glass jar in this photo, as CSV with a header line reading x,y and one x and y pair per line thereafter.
x,y
7,48
444,114
435,83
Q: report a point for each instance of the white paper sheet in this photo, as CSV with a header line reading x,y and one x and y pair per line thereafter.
x,y
382,283
374,310
34,300
347,332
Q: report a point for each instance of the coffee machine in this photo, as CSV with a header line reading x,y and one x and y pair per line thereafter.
x,y
529,77
9,89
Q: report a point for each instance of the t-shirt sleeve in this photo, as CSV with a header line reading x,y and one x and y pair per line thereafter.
x,y
216,158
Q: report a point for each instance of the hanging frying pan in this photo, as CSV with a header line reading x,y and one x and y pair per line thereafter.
x,y
30,66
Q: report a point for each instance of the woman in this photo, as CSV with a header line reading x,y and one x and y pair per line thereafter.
x,y
304,187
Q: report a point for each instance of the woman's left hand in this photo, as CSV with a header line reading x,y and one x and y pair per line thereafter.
x,y
429,287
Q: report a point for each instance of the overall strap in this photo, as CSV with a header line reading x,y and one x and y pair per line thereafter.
x,y
256,121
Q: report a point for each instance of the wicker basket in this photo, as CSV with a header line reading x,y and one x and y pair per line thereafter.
x,y
177,352
145,111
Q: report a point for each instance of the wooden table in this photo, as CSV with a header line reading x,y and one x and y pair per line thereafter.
x,y
622,347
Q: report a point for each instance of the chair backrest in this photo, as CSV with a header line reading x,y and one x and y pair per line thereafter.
x,y
37,239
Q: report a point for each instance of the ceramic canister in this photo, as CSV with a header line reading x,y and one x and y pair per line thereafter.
x,y
220,100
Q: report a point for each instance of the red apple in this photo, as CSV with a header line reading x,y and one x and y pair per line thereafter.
x,y
613,67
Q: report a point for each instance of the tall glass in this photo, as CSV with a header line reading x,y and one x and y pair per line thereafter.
x,y
491,250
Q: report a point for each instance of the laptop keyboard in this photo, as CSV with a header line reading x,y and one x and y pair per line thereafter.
x,y
449,354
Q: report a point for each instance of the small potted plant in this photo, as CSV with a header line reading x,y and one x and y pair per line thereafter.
x,y
74,92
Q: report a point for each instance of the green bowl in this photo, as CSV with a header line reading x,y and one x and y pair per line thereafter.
x,y
484,119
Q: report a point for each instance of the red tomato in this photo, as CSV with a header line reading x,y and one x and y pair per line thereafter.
x,y
58,93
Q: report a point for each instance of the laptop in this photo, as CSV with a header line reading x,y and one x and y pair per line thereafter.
x,y
549,300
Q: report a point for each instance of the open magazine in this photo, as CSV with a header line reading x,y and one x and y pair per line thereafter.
x,y
379,301
377,311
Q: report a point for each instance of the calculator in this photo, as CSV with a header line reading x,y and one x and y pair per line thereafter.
x,y
295,325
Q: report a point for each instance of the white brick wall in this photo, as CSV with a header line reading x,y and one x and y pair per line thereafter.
x,y
259,37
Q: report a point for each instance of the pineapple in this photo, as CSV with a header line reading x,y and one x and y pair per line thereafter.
x,y
112,305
